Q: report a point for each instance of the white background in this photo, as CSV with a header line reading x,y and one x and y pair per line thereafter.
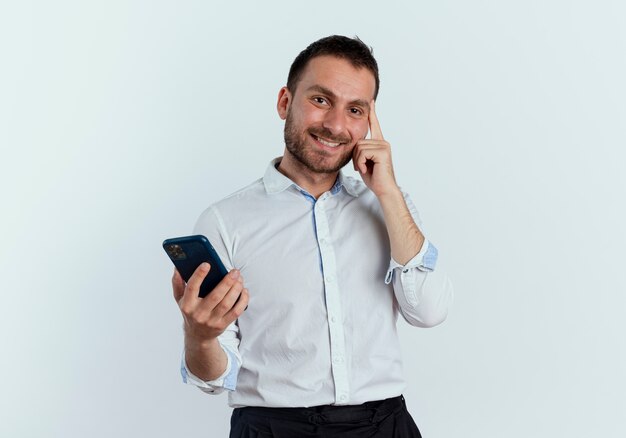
x,y
120,121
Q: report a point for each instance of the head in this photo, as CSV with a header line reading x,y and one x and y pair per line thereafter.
x,y
326,103
353,50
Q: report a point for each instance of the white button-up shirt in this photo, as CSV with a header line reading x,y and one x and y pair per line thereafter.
x,y
325,295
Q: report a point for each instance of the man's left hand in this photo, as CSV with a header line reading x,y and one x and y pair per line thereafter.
x,y
372,159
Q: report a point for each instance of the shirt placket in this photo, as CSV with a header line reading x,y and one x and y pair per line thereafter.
x,y
333,303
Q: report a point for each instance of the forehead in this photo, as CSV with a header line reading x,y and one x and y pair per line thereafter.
x,y
339,76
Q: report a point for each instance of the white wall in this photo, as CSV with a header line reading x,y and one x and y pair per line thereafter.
x,y
121,120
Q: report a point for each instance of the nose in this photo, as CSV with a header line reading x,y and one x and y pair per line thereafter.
x,y
335,121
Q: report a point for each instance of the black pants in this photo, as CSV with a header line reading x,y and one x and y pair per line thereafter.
x,y
378,419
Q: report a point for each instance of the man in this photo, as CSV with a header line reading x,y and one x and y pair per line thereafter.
x,y
307,346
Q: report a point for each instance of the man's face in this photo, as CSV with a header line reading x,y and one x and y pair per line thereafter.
x,y
327,113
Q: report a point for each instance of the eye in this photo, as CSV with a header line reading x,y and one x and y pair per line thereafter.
x,y
356,111
319,100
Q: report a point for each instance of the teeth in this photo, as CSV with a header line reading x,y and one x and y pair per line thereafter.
x,y
327,143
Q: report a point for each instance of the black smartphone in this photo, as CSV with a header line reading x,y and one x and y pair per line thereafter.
x,y
188,252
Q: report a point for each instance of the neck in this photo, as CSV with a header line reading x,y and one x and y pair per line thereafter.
x,y
315,183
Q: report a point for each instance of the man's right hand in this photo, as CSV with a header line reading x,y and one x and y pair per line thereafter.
x,y
207,318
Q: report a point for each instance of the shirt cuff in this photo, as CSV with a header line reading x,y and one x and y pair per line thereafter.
x,y
228,379
425,260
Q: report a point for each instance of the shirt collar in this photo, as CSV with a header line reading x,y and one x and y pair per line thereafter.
x,y
276,182
348,183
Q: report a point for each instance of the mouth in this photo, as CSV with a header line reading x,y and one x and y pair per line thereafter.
x,y
325,142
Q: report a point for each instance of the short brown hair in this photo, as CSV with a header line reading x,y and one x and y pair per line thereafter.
x,y
351,49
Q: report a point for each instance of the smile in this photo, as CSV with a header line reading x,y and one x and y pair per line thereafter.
x,y
327,143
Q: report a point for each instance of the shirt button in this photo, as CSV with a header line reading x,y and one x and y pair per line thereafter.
x,y
333,319
338,359
330,278
343,398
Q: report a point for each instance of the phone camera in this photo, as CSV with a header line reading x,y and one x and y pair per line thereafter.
x,y
176,252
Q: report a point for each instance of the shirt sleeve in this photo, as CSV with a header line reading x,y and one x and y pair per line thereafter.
x,y
424,293
228,379
211,225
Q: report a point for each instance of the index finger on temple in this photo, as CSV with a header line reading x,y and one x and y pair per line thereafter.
x,y
375,131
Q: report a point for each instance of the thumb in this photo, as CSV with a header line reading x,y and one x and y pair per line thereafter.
x,y
178,285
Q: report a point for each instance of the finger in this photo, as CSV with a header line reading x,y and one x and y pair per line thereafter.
x,y
193,285
369,143
239,307
227,303
178,285
367,154
359,160
219,292
355,155
375,131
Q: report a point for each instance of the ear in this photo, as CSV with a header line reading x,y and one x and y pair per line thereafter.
x,y
284,102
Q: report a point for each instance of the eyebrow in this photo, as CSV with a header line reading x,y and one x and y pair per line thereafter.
x,y
329,93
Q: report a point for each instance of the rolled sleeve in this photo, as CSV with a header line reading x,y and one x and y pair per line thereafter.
x,y
425,260
424,295
228,379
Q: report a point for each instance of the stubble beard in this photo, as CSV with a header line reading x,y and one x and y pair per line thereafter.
x,y
314,160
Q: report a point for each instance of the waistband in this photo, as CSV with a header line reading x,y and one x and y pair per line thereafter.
x,y
328,413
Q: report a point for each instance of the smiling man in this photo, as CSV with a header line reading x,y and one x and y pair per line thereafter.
x,y
307,346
